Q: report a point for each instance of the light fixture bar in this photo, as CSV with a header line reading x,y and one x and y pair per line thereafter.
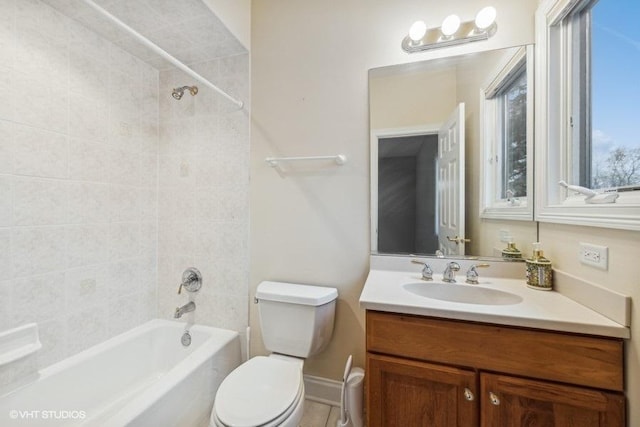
x,y
433,39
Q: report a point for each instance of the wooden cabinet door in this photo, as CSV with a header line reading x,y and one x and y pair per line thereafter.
x,y
515,402
407,393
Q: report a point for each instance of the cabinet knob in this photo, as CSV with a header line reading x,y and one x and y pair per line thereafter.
x,y
468,394
494,399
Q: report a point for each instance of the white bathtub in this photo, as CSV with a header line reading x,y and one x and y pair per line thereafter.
x,y
144,377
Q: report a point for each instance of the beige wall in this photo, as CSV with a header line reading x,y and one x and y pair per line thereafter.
x,y
411,99
310,97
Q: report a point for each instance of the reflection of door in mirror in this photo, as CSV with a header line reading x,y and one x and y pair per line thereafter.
x,y
450,199
421,190
406,191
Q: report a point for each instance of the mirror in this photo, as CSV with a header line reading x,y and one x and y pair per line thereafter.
x,y
431,162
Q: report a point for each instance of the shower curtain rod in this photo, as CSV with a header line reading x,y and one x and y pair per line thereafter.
x,y
162,52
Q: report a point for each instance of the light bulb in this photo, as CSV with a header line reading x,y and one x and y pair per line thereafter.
x,y
417,31
486,17
450,25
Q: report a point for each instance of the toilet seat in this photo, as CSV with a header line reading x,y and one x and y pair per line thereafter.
x,y
290,418
263,391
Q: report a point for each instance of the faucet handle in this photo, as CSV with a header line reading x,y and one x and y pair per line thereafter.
x,y
427,272
472,273
191,280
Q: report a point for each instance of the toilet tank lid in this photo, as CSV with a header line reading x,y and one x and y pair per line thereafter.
x,y
296,293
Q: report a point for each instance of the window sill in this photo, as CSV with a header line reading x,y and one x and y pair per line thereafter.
x,y
614,215
516,213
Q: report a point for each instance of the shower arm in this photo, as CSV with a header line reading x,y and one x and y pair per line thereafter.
x,y
162,52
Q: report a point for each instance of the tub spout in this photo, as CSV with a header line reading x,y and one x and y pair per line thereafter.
x,y
187,308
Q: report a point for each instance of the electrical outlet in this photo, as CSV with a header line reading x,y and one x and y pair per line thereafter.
x,y
594,255
505,236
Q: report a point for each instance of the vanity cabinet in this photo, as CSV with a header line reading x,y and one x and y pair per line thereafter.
x,y
425,371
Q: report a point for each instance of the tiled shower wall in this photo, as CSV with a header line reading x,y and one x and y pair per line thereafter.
x,y
95,200
203,209
78,181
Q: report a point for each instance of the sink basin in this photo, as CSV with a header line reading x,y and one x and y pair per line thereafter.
x,y
466,294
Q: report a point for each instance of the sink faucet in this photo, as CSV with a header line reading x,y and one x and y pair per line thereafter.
x,y
187,308
472,273
449,274
427,272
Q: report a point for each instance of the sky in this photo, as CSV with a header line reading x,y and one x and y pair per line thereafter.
x,y
615,75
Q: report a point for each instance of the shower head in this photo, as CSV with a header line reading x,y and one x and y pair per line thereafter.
x,y
178,92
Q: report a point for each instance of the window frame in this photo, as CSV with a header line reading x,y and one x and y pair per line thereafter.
x,y
554,151
492,205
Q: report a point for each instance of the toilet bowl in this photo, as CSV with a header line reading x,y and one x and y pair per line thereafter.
x,y
296,322
265,392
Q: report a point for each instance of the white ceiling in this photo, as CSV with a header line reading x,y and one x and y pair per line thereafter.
x,y
186,29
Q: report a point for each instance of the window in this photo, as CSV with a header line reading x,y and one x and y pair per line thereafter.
x,y
512,106
506,131
586,82
603,47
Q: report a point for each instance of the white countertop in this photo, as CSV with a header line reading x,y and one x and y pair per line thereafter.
x,y
383,291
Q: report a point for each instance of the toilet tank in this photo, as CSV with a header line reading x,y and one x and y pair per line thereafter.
x,y
296,319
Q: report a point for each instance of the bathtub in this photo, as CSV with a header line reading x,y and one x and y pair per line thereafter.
x,y
143,377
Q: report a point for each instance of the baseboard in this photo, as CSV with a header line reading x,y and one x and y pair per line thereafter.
x,y
322,390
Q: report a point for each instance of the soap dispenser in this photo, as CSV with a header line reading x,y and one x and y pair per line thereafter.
x,y
539,272
511,252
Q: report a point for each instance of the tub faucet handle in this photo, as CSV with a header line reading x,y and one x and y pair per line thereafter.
x,y
191,280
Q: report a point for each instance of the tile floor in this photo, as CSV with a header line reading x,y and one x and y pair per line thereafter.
x,y
319,415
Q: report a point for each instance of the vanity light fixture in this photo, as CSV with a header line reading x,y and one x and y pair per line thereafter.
x,y
452,32
417,31
450,26
485,18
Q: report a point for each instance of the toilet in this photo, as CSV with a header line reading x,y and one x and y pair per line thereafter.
x,y
296,322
